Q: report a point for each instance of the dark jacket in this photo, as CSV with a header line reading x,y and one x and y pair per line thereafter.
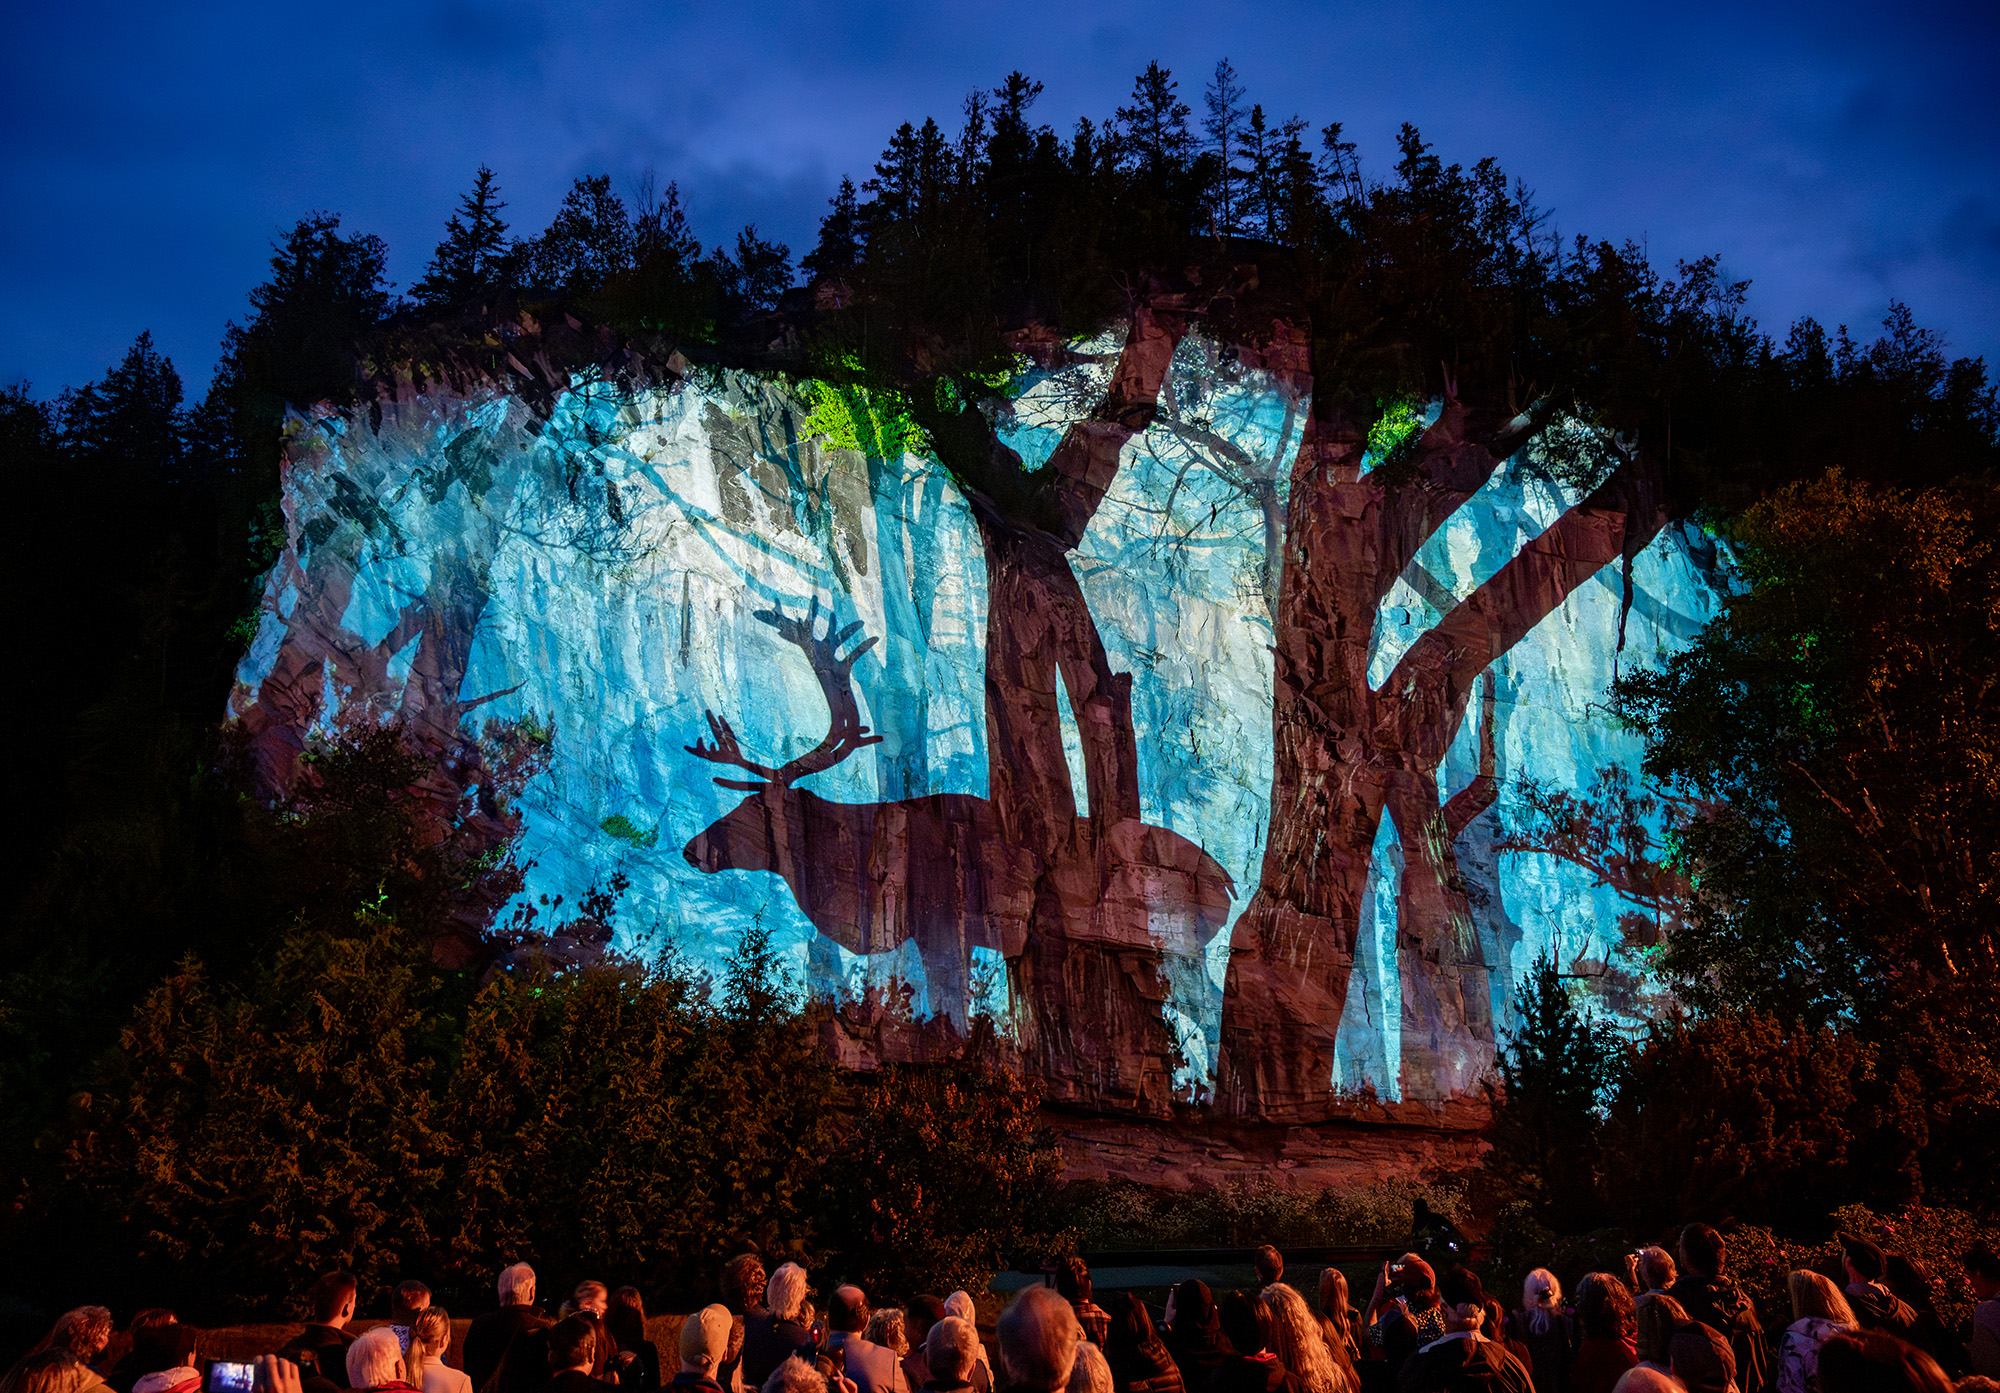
x,y
1464,1365
329,1350
1720,1304
1550,1348
574,1381
1251,1374
694,1383
1405,1331
642,1370
1198,1349
769,1342
1878,1308
488,1337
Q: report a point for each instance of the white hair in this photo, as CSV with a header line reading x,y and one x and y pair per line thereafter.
x,y
1039,1338
795,1375
951,1349
375,1358
517,1285
960,1305
1540,1291
786,1291
1089,1373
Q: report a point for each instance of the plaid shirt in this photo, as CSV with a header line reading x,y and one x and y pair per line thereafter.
x,y
1095,1320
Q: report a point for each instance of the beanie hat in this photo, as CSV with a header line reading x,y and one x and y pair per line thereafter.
x,y
705,1337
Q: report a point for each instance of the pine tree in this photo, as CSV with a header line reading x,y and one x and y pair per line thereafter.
x,y
590,240
473,257
131,420
840,237
758,274
1154,132
1224,125
660,231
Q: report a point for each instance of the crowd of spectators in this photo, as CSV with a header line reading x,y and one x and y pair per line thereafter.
x,y
1670,1321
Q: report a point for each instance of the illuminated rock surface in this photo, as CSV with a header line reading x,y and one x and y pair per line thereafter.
x,y
607,570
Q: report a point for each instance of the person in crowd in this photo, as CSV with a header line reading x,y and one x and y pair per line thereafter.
x,y
404,1303
84,1332
1708,1294
1296,1343
1819,1312
1655,1318
589,1296
50,1371
1982,1272
1338,1321
1073,1284
950,1351
1912,1285
1253,1368
704,1345
1495,1329
888,1327
873,1368
127,1370
430,1337
1875,1306
1194,1333
780,1330
1038,1334
1874,1361
960,1304
1976,1383
920,1314
375,1361
742,1294
1462,1358
1650,1269
1270,1265
1404,1314
1091,1373
1548,1331
321,1348
795,1375
174,1353
571,1345
1640,1379
635,1360
491,1336
1607,1346
1702,1359
1139,1361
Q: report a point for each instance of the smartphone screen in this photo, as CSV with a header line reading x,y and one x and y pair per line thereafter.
x,y
225,1377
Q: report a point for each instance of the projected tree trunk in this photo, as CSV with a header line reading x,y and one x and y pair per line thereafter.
x,y
1349,753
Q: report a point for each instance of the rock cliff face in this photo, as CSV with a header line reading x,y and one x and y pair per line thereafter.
x,y
773,667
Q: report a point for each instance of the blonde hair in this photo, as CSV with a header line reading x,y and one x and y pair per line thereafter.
x,y
886,1327
1296,1340
1814,1295
49,1371
430,1337
1089,1374
786,1291
82,1332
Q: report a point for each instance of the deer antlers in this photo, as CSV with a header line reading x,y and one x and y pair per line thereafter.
x,y
845,733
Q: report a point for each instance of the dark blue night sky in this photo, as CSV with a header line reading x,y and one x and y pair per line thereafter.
x,y
1836,156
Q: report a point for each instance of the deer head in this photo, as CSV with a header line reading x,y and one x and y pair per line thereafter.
x,y
742,838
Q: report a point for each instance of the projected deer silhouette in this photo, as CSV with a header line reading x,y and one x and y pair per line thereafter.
x,y
937,869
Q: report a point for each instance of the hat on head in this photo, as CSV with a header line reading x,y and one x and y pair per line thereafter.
x,y
1868,1259
705,1337
1702,1359
1416,1274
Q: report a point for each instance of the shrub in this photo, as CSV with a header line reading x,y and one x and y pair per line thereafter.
x,y
1121,1215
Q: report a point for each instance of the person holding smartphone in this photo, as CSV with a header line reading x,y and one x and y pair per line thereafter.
x,y
171,1360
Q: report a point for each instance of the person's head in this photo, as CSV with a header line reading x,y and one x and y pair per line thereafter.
x,y
1908,1279
1702,1360
410,1298
1295,1339
795,1376
1089,1372
625,1324
1540,1291
164,1347
430,1331
1270,1265
53,1370
1814,1295
1604,1306
333,1300
848,1311
572,1344
1131,1324
1982,1269
959,1304
1640,1379
1191,1311
1333,1294
1702,1250
1656,1268
1864,1260
1655,1318
705,1340
591,1297
1872,1361
1460,1286
152,1318
83,1332
516,1285
743,1283
786,1291
1976,1383
951,1348
1246,1324
375,1358
1415,1281
631,1297
920,1314
1038,1337
1073,1280
886,1328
